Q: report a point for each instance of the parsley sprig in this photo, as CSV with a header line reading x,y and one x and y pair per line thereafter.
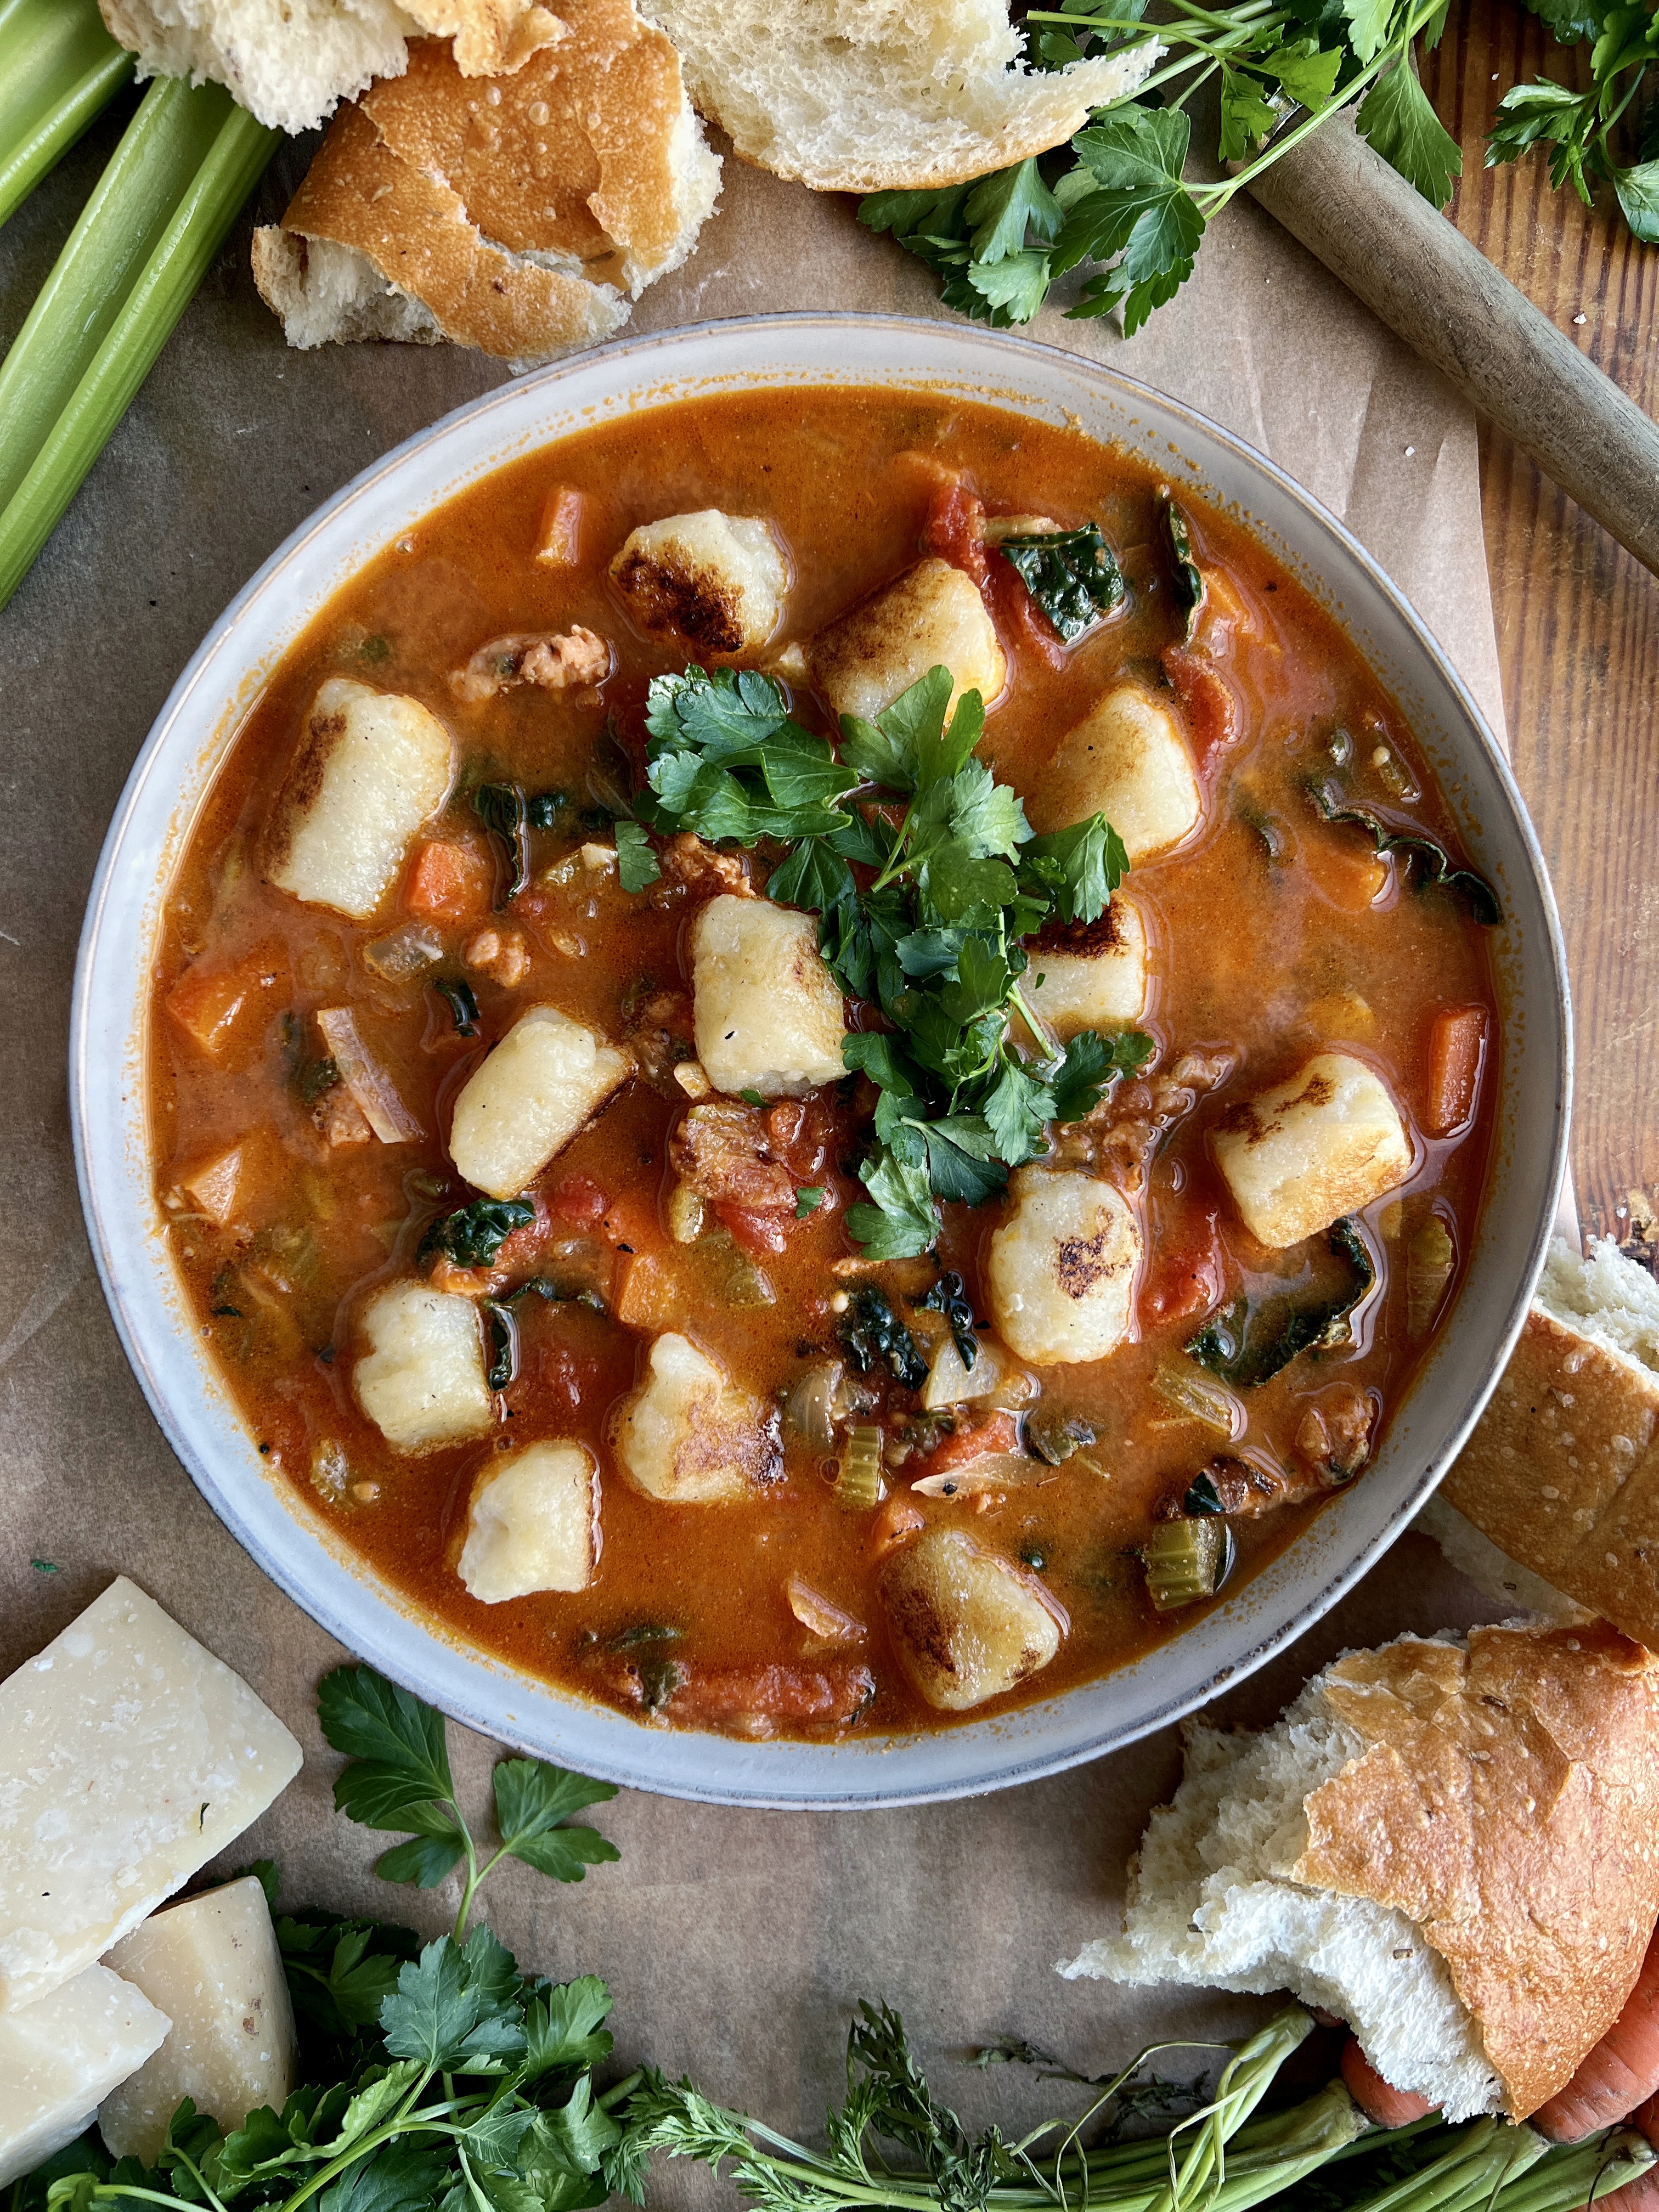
x,y
926,877
1586,133
437,2075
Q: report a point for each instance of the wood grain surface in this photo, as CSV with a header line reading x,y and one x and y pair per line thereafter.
x,y
1578,619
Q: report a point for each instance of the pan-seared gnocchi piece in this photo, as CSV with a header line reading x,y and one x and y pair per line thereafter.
x,y
422,1381
372,766
531,1524
931,615
546,1078
1061,1270
1094,977
1128,760
689,1435
715,580
967,1623
767,1013
1323,1144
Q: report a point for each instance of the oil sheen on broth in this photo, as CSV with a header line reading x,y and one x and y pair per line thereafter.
x,y
605,1442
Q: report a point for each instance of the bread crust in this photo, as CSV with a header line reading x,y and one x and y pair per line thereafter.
x,y
1562,1472
1505,1801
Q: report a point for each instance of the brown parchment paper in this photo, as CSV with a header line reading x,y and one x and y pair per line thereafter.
x,y
736,1942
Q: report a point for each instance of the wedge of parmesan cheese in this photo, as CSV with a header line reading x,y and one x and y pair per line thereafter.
x,y
129,1756
60,2055
212,1965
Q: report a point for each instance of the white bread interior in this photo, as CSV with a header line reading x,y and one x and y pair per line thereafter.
x,y
1212,1902
872,95
1607,1297
1493,1573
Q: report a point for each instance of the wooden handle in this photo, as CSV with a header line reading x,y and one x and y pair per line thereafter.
x,y
1418,273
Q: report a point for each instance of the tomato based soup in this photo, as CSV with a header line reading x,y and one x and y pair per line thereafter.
x,y
307,1059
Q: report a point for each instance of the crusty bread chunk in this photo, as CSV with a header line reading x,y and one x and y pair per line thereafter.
x,y
1448,1843
1322,1144
1094,976
422,1381
766,1013
714,581
290,62
546,1078
1126,759
967,1623
1061,1270
689,1435
530,1525
862,95
1562,1472
1491,1571
371,766
519,216
931,617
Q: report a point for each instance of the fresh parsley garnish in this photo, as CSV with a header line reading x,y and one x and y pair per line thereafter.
x,y
636,864
808,1201
472,1236
926,877
1072,575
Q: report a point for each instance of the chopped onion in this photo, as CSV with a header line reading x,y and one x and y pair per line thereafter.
x,y
814,1610
950,1383
1428,1259
992,1471
1199,1398
368,1082
406,952
811,1406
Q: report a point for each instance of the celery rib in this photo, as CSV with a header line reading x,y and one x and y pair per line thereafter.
x,y
59,68
143,243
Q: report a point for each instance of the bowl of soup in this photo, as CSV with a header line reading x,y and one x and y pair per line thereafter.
x,y
818,1061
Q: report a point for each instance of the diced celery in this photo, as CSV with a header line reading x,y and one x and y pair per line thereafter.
x,y
858,1480
1186,1560
143,243
58,67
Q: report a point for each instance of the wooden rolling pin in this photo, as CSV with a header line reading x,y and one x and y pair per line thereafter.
x,y
1420,274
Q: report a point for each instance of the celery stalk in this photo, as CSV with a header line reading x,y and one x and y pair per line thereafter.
x,y
58,66
143,243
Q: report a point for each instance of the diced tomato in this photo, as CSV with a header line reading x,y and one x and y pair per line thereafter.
x,y
577,1200
756,1232
1187,1280
448,881
955,530
1000,1432
1210,706
899,1518
1457,1047
218,1008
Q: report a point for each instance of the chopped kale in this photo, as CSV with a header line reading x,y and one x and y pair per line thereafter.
x,y
1189,577
875,1337
1416,845
472,1235
1073,575
542,809
644,1632
314,1078
462,1001
1202,1497
1250,1342
949,1296
502,1337
505,813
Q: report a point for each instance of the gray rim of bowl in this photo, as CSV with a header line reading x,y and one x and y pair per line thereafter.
x,y
1008,351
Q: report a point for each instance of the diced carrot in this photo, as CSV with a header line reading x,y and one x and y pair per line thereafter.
x,y
216,1008
1379,2100
899,1518
448,881
647,1294
558,539
631,1223
1619,2074
577,1200
1457,1047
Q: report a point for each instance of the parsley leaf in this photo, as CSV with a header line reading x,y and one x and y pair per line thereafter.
x,y
1398,119
636,864
901,1221
531,1799
726,762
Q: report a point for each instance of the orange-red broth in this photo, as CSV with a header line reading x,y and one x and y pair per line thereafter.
x,y
1272,956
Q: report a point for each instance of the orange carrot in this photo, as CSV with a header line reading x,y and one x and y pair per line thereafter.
x,y
1621,2071
1641,2195
1457,1045
449,882
1378,2099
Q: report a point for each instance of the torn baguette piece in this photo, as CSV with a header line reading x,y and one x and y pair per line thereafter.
x,y
517,216
1450,1844
862,96
1562,1472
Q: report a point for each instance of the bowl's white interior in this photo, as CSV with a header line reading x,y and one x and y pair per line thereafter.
x,y
176,767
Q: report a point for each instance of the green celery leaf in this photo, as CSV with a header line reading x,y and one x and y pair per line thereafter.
x,y
1307,71
636,864
1397,118
1014,289
367,1717
1073,575
1532,114
564,2027
1247,114
1003,207
901,1221
494,2138
399,2178
1638,196
1569,19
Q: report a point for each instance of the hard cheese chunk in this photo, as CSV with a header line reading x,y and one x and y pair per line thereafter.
x,y
931,616
546,1077
61,2055
530,1523
129,1756
371,768
766,1011
717,580
1094,978
690,1436
1061,1270
968,1624
1128,761
212,1965
1322,1145
422,1382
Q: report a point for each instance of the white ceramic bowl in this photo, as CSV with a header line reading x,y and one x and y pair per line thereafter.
x,y
176,768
